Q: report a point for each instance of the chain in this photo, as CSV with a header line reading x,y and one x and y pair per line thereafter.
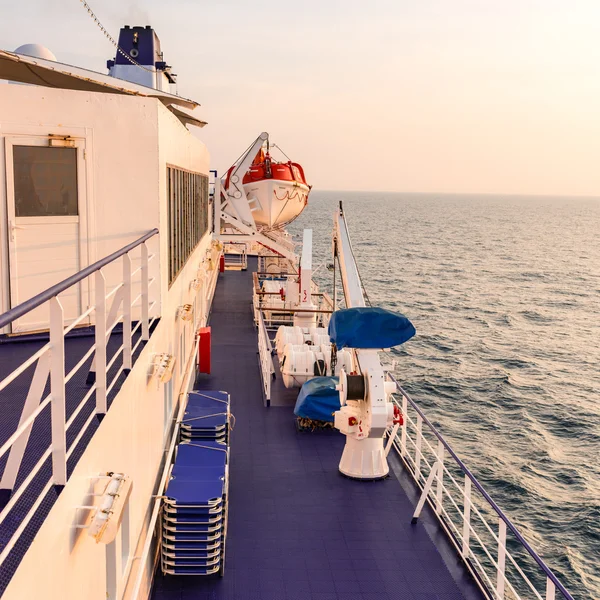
x,y
111,39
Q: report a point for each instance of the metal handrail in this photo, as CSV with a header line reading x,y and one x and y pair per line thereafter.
x,y
487,497
27,306
50,363
265,351
267,338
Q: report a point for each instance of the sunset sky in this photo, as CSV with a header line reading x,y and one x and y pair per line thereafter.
x,y
457,96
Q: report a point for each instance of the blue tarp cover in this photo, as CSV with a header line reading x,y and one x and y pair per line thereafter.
x,y
318,399
369,327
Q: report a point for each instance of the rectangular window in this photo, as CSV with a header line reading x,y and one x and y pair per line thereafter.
x,y
45,181
188,215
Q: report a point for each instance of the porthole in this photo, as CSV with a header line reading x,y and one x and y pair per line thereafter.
x,y
134,52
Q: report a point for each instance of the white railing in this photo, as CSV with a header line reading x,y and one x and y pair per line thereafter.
x,y
236,261
109,309
274,264
276,311
236,255
505,568
265,353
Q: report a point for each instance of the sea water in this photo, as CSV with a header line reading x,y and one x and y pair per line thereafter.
x,y
505,295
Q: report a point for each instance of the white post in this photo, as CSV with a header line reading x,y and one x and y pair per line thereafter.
x,y
550,589
391,437
100,356
404,425
112,582
306,269
418,448
440,479
425,492
126,312
17,451
57,391
466,518
145,294
306,319
501,558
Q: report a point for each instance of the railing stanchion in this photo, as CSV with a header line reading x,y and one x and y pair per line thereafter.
x,y
17,451
126,312
418,448
391,437
145,294
550,589
404,425
265,358
100,357
501,558
440,479
425,492
466,519
57,391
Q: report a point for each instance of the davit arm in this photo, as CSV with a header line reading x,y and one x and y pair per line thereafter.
x,y
234,188
366,411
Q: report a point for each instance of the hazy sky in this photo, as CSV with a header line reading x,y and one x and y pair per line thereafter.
x,y
422,95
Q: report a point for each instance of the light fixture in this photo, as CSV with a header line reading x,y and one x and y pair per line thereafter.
x,y
109,513
61,141
185,313
162,367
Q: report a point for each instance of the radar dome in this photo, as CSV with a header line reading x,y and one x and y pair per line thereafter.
x,y
36,50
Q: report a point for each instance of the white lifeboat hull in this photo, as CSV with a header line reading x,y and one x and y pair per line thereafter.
x,y
276,202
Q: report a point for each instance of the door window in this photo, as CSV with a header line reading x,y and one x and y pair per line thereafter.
x,y
45,181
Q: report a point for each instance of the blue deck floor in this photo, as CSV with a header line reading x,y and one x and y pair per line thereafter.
x,y
14,352
298,530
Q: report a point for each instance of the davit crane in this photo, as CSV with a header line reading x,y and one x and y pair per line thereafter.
x,y
366,409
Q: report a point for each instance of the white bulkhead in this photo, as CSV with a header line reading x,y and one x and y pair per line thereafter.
x,y
82,174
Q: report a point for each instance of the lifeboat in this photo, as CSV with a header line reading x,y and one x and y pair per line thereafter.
x,y
277,191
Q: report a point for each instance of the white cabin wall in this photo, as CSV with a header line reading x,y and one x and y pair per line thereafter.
x,y
121,147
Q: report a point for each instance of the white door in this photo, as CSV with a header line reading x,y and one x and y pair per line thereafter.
x,y
46,224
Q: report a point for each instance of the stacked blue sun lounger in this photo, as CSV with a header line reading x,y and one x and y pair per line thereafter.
x,y
206,417
195,505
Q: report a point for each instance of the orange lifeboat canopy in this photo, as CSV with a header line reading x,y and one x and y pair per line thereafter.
x,y
259,170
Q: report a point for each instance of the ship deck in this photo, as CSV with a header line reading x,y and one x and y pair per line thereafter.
x,y
298,529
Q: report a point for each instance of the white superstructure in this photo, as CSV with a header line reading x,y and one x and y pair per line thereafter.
x,y
108,192
86,168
